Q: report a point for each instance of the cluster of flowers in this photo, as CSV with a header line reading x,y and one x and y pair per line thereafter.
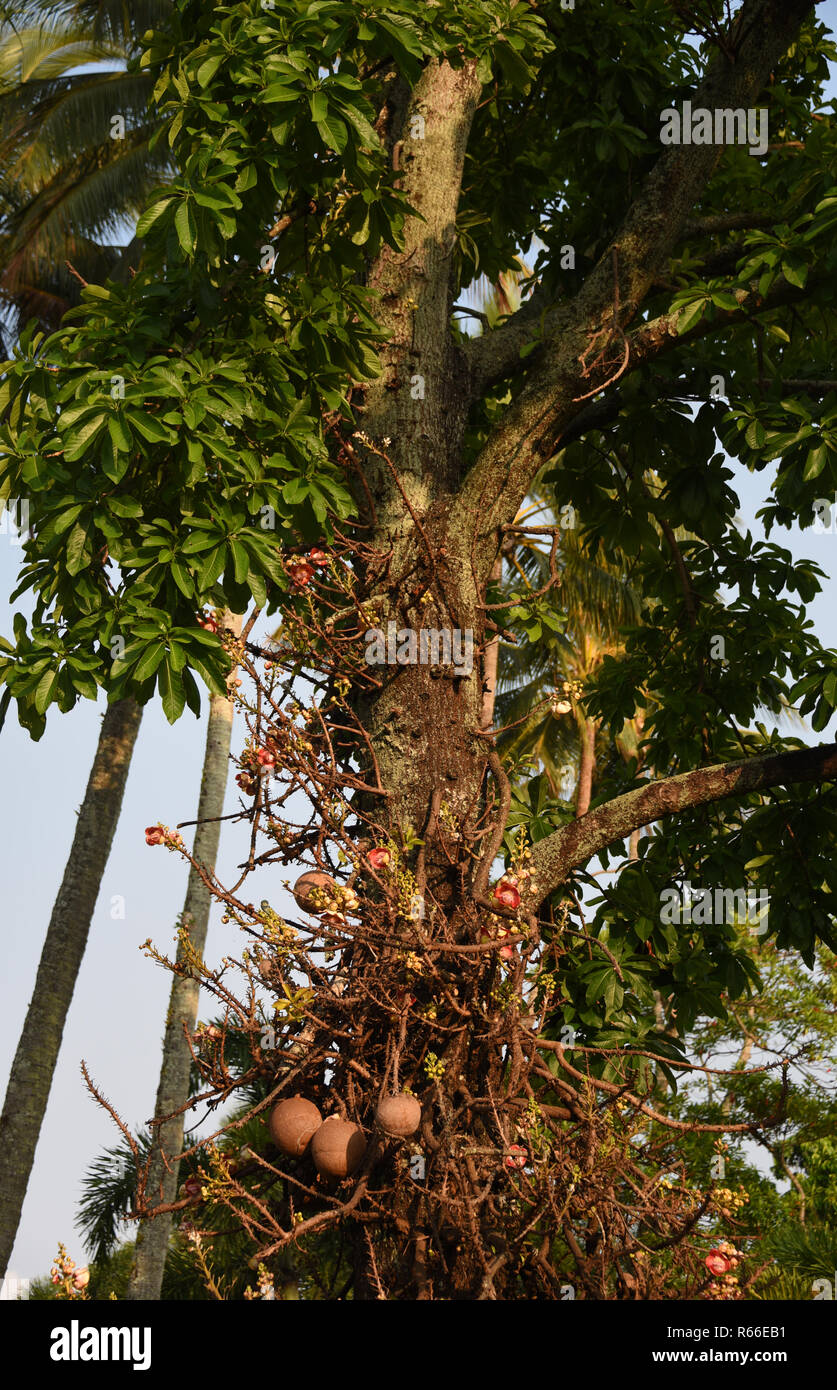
x,y
73,1278
562,700
254,762
508,894
728,1200
721,1262
301,571
334,903
161,835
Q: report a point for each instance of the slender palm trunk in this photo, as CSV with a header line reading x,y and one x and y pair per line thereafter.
x,y
586,766
173,1087
37,1051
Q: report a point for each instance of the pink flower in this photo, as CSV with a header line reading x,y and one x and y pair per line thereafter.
x,y
318,557
81,1278
300,572
378,858
154,835
717,1263
506,893
517,1156
496,935
207,622
266,758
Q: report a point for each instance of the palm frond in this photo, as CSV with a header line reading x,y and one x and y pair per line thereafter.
x,y
810,1251
107,1192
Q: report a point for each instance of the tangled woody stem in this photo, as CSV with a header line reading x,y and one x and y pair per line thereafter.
x,y
530,1172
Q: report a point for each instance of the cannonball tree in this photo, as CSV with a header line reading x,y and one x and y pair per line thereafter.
x,y
279,410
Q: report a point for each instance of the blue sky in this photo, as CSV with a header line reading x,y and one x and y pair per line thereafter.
x,y
116,1018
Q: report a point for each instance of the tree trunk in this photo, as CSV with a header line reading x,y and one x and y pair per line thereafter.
x,y
586,766
173,1087
37,1051
491,661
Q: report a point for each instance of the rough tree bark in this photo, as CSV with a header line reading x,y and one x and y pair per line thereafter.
x,y
415,414
63,950
442,530
438,528
173,1087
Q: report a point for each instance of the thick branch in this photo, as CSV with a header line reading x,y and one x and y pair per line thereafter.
x,y
556,856
728,222
660,335
493,355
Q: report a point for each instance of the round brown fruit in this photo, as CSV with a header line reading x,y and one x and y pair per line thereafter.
x,y
313,879
338,1147
293,1124
399,1115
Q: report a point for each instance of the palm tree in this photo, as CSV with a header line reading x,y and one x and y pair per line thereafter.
x,y
37,1051
75,132
75,147
541,681
173,1087
66,184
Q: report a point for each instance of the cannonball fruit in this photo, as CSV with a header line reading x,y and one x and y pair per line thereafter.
x,y
313,879
293,1123
399,1115
338,1147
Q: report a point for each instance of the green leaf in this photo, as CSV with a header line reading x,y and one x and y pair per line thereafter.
x,y
280,91
44,692
124,506
148,427
148,662
172,693
318,101
795,272
182,579
692,314
815,462
152,215
207,70
187,231
78,554
191,691
120,434
333,133
210,675
241,562
79,440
